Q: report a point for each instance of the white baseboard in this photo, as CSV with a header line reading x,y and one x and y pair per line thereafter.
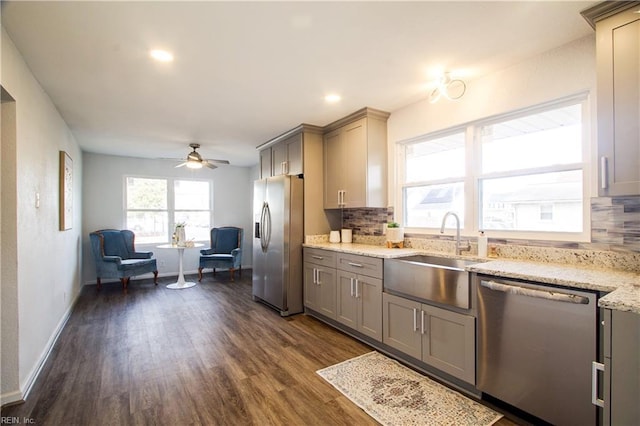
x,y
25,387
11,398
160,275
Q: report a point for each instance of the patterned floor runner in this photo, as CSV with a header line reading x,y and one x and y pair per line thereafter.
x,y
396,395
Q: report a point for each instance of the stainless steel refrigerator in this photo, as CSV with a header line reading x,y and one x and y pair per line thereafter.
x,y
277,243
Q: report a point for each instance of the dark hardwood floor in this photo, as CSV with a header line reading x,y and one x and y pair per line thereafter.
x,y
207,355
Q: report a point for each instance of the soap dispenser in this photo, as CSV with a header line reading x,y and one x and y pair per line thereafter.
x,y
482,244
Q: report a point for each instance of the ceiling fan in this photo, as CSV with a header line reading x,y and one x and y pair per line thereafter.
x,y
195,161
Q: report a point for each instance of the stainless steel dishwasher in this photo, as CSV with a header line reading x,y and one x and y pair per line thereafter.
x,y
536,344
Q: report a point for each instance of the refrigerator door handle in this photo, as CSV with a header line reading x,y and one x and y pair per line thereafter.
x,y
268,227
265,224
262,211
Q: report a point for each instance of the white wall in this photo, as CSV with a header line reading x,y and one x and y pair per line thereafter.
x,y
103,204
48,260
561,72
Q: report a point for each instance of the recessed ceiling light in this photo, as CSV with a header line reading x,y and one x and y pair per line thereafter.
x,y
161,55
333,98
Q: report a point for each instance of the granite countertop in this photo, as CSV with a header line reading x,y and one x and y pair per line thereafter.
x,y
365,249
623,288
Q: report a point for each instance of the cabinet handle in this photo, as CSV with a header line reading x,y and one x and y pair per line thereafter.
x,y
415,319
604,171
351,279
341,193
284,166
317,257
357,282
318,280
595,367
422,321
315,271
357,265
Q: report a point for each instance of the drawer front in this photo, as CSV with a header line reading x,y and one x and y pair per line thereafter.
x,y
320,257
364,265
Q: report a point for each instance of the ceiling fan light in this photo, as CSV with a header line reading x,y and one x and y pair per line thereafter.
x,y
194,164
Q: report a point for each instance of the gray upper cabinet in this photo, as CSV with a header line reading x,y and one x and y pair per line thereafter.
x,y
265,163
299,151
286,156
355,161
618,67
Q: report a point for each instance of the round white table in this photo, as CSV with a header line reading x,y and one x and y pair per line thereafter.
x,y
181,283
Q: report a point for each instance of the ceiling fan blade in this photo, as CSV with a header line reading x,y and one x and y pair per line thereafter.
x,y
181,164
218,161
208,164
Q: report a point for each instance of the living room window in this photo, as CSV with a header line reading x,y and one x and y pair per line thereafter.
x,y
520,174
155,205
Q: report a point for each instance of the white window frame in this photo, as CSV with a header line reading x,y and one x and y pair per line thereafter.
x,y
473,175
171,210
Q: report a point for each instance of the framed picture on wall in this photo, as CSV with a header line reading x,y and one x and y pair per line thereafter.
x,y
66,191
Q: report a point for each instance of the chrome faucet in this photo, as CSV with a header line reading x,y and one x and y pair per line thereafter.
x,y
459,248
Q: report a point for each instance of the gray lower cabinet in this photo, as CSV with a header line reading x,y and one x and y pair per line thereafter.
x,y
320,281
440,338
359,303
622,368
359,295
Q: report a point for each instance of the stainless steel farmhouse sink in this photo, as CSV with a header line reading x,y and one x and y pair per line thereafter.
x,y
429,278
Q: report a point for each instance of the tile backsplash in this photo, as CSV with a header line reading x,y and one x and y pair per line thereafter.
x,y
615,225
615,236
366,221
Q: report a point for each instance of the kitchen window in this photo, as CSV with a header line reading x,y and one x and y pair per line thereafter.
x,y
155,205
434,183
522,174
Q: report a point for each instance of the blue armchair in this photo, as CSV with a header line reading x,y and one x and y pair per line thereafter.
x,y
116,257
225,251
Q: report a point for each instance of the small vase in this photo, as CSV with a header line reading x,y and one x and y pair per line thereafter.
x,y
180,237
395,237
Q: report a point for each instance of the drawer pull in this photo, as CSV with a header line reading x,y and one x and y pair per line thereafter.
x,y
317,257
357,265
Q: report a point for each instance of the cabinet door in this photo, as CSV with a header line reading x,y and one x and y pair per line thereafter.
x,y
326,291
369,296
448,342
625,368
333,169
618,50
400,325
355,150
310,287
265,163
279,159
286,156
347,304
295,155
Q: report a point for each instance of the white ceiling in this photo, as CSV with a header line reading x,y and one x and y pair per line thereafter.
x,y
245,72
